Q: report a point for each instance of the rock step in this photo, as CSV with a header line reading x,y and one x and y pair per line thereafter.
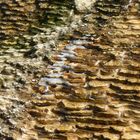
x,y
95,83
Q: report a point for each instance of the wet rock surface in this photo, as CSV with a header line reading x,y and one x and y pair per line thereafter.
x,y
25,50
87,89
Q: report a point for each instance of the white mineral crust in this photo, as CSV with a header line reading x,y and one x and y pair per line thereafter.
x,y
83,5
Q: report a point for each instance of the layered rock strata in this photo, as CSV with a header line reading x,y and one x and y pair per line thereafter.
x,y
24,54
90,89
17,17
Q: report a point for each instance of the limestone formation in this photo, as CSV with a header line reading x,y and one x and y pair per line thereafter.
x,y
84,5
86,86
18,17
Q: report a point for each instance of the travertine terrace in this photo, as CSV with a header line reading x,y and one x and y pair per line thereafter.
x,y
75,80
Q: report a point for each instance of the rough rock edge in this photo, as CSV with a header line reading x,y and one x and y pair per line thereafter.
x,y
75,21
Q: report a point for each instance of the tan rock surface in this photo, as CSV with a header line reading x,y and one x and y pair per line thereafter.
x,y
84,5
90,90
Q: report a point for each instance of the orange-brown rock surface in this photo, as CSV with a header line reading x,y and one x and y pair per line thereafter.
x,y
20,16
90,90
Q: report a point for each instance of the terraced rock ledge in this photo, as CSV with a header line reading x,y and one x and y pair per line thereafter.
x,y
87,89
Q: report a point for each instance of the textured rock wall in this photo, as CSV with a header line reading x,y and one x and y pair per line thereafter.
x,y
29,33
84,5
28,37
89,89
17,17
